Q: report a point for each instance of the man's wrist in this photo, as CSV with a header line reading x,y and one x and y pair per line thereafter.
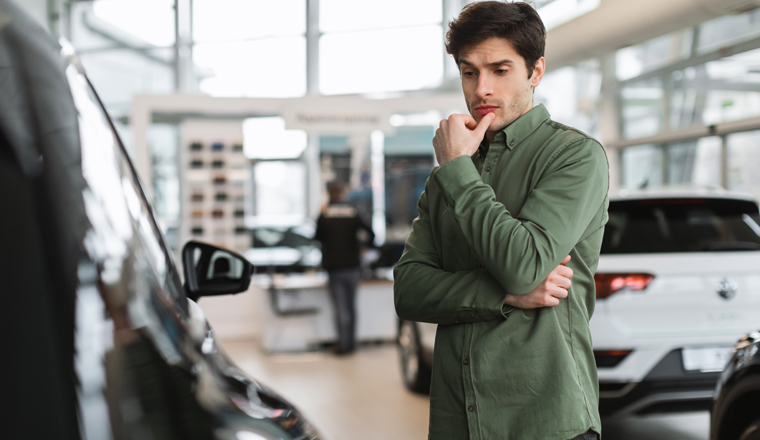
x,y
509,300
448,159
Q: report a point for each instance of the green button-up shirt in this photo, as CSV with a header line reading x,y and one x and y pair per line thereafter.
x,y
497,223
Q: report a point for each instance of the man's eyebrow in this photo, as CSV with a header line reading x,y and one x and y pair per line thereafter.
x,y
493,64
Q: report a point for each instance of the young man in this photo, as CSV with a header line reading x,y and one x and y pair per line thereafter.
x,y
515,195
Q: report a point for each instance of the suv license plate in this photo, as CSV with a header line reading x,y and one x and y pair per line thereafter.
x,y
706,360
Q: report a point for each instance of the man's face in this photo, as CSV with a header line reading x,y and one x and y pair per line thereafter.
x,y
495,80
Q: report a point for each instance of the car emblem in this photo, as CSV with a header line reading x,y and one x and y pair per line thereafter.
x,y
727,289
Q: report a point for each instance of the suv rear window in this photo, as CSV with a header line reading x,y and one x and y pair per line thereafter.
x,y
681,225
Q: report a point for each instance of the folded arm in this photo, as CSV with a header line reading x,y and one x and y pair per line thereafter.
x,y
425,292
520,251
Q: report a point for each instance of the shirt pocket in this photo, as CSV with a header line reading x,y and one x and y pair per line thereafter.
x,y
457,254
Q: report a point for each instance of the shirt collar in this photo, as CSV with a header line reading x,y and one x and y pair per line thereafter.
x,y
523,126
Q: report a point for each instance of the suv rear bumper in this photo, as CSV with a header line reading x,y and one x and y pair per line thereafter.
x,y
667,388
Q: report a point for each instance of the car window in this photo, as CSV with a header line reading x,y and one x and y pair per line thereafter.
x,y
292,237
134,361
681,225
124,229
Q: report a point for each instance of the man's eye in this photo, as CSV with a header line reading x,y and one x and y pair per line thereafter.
x,y
468,74
501,71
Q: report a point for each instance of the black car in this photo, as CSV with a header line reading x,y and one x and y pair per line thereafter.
x,y
284,248
101,338
735,413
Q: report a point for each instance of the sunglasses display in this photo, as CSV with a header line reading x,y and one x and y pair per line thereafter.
x,y
218,175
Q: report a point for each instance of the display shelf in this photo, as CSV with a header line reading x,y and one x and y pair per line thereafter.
x,y
216,180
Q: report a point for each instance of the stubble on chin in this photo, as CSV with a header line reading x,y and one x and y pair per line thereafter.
x,y
506,114
516,109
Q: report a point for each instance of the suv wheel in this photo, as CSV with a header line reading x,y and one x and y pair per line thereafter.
x,y
415,371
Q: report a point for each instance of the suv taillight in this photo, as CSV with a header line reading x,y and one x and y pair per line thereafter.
x,y
609,283
610,358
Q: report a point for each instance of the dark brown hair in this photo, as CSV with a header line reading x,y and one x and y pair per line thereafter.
x,y
336,190
516,22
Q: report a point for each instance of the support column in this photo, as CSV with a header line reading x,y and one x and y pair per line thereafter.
x,y
359,146
54,15
312,47
377,159
724,161
140,120
609,119
184,69
451,10
314,186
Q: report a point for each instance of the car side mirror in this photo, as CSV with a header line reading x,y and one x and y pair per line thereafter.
x,y
211,270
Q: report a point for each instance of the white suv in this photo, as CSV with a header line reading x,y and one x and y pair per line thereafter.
x,y
678,282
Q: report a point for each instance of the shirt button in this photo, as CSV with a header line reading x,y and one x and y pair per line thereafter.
x,y
471,408
456,321
488,169
511,143
466,362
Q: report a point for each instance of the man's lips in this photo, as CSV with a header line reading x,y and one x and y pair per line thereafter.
x,y
485,109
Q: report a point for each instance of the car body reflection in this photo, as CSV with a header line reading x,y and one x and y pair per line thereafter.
x,y
735,413
104,333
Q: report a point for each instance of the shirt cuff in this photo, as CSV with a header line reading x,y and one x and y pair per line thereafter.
x,y
454,175
492,295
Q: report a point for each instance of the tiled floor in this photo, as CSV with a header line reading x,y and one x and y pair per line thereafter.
x,y
345,398
362,397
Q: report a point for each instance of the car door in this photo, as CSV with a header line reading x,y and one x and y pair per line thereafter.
x,y
163,378
702,255
135,359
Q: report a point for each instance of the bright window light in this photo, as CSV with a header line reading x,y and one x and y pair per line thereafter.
x,y
267,138
353,15
430,118
558,12
280,194
225,20
381,61
149,20
271,68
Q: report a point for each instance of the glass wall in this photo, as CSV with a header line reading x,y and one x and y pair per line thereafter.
x,y
642,108
687,80
694,162
633,61
678,164
571,95
127,49
727,30
370,47
744,162
250,48
279,191
642,166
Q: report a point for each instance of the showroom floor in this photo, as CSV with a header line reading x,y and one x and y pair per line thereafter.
x,y
362,397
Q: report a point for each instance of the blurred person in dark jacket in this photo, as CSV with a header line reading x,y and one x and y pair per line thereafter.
x,y
338,229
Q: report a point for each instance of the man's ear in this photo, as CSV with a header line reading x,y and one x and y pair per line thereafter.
x,y
538,72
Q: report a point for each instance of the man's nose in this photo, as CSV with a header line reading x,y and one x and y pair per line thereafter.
x,y
485,86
